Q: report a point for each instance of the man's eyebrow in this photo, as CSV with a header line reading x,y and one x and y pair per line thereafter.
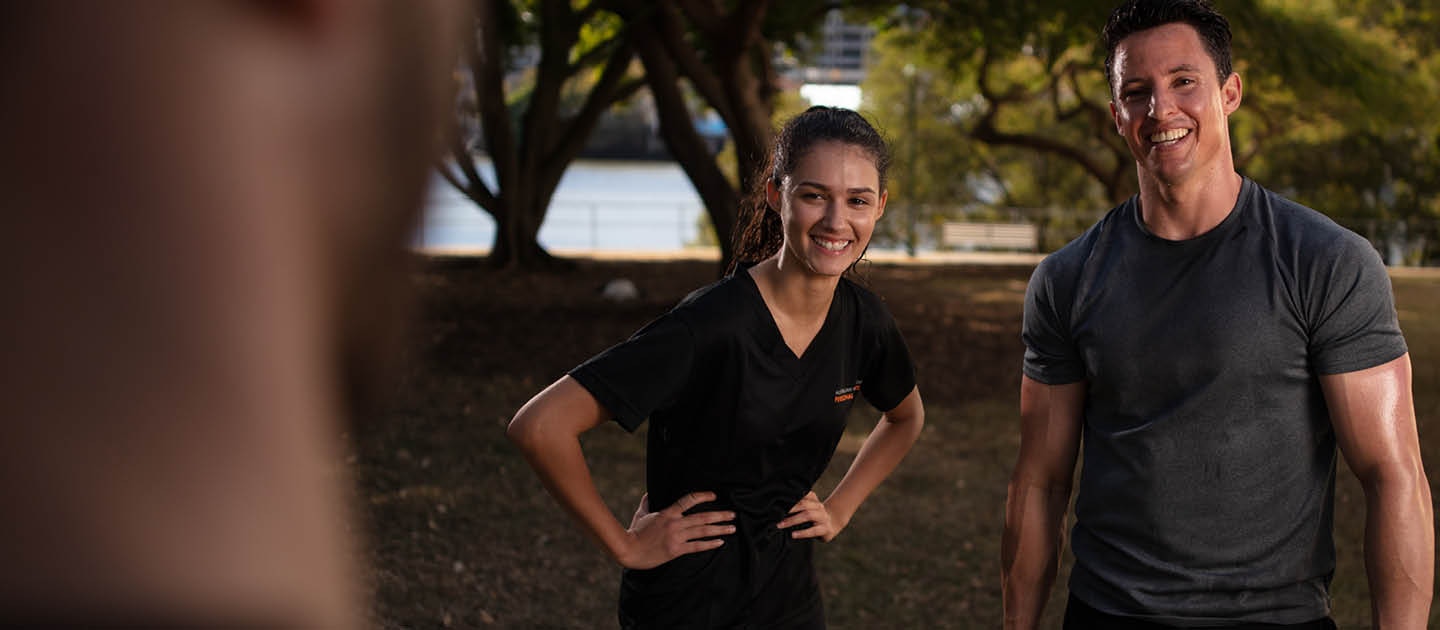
x,y
1184,67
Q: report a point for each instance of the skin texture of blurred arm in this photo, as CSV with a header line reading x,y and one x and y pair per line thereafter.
x,y
1374,418
1038,497
197,198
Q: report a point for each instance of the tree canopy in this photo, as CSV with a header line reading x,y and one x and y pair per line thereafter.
x,y
991,104
1014,105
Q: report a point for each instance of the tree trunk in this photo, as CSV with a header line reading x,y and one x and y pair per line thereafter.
x,y
529,159
517,243
721,200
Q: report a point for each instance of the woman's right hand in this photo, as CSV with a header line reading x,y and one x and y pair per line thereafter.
x,y
659,537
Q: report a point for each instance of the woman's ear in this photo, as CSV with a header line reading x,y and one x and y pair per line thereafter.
x,y
772,194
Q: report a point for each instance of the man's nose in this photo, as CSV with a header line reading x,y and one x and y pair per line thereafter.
x,y
1162,104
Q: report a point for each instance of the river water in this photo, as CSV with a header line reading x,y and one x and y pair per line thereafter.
x,y
599,205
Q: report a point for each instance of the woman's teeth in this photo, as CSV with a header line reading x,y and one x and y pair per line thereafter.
x,y
833,246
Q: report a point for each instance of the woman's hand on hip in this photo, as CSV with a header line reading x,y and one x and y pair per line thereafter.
x,y
659,537
823,524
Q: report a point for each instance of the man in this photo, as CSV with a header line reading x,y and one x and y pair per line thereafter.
x,y
1213,343
204,208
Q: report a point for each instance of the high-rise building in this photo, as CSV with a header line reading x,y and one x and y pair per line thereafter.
x,y
838,57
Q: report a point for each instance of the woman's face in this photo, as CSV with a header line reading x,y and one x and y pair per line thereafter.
x,y
828,206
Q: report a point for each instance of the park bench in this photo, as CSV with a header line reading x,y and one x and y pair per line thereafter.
x,y
967,235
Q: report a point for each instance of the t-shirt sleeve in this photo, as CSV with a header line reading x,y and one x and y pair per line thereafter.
x,y
645,372
890,374
1354,324
1050,353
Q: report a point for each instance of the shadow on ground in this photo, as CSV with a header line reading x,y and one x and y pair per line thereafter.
x,y
461,534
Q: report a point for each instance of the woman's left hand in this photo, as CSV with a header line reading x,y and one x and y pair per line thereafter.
x,y
812,510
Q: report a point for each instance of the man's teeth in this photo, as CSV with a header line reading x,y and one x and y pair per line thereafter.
x,y
1166,136
833,246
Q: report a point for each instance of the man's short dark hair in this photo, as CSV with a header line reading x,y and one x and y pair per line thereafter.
x,y
1138,15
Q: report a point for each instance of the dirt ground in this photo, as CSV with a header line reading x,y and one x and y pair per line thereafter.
x,y
460,533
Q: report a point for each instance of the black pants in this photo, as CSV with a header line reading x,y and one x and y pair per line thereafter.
x,y
1080,616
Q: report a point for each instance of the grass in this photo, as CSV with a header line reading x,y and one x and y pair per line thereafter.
x,y
461,534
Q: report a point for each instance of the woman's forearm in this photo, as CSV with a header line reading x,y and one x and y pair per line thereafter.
x,y
882,451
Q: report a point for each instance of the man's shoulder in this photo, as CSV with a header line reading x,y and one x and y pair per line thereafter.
x,y
1309,232
1071,258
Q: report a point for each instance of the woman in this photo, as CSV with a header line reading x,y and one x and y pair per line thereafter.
x,y
747,384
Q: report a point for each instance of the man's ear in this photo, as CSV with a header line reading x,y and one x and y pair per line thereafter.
x,y
1231,93
1115,118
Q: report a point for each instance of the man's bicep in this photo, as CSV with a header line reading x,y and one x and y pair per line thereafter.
x,y
1373,414
1051,417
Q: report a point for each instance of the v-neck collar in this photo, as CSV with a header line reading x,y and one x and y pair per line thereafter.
x,y
769,330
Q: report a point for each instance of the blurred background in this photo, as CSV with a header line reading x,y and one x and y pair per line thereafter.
x,y
618,125
616,139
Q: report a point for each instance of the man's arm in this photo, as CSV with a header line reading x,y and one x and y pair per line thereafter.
x,y
1374,419
1039,495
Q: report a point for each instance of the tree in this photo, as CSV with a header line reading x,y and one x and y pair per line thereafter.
x,y
1024,80
532,137
726,59
725,52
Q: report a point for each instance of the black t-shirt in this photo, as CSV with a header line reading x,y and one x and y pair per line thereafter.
x,y
1206,492
732,410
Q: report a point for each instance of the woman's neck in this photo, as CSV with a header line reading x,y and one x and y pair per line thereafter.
x,y
792,290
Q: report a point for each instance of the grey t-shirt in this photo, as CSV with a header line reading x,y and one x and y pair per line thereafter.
x,y
1207,486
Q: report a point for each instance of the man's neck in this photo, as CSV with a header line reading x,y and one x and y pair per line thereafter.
x,y
1185,210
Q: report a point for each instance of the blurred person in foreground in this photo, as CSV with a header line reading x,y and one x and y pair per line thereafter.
x,y
747,385
1213,343
206,206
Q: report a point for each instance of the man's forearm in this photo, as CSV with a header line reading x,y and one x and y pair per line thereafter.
x,y
1030,551
1399,549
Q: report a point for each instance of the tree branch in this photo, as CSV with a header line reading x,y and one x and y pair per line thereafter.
x,y
478,193
747,20
705,16
666,25
609,90
487,72
558,33
985,131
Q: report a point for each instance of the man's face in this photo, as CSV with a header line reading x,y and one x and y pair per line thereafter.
x,y
1170,106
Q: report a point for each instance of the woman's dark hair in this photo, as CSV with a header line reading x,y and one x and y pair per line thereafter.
x,y
1138,15
758,234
